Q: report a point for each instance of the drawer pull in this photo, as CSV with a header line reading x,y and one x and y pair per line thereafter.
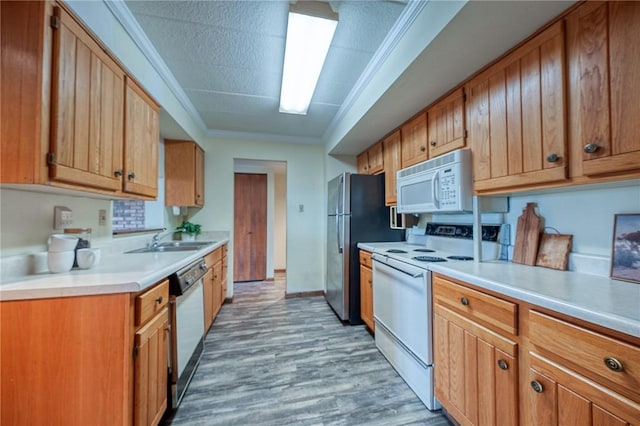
x,y
590,148
159,300
464,301
503,364
536,386
613,364
433,143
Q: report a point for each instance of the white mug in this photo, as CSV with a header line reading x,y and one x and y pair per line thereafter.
x,y
60,261
62,242
87,258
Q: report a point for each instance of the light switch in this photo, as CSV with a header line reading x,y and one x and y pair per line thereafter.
x,y
102,217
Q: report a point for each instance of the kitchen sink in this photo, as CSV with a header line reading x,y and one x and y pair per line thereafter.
x,y
171,246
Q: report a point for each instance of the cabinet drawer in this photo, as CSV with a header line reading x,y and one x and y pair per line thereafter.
x,y
151,302
365,258
491,311
213,257
596,355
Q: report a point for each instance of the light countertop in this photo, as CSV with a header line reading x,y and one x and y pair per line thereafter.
x,y
600,300
118,272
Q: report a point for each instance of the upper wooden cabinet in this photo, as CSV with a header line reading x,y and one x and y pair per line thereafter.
x,y
603,40
414,141
391,148
86,109
141,142
446,124
371,161
70,116
184,173
516,116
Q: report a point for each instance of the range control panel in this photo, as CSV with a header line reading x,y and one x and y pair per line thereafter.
x,y
489,232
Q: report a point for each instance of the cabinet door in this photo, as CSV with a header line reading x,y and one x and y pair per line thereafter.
x,y
362,162
476,371
414,141
151,370
376,159
217,288
366,297
516,116
604,68
559,396
199,201
86,110
446,124
141,142
208,296
391,150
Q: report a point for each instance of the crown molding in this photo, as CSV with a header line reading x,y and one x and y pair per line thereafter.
x,y
124,16
409,14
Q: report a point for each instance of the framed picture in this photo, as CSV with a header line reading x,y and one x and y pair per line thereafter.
x,y
625,258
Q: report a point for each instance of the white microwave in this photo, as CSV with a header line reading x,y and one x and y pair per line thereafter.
x,y
439,185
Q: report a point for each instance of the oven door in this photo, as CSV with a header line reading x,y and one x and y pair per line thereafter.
x,y
419,192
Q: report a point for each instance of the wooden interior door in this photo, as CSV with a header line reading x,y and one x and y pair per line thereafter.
x,y
250,227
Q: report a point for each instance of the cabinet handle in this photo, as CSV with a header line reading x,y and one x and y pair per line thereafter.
x,y
503,364
159,300
131,176
423,148
590,148
464,301
552,158
433,143
613,364
117,172
536,386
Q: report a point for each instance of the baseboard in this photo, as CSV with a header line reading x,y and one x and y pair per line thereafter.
x,y
268,280
280,271
304,294
228,299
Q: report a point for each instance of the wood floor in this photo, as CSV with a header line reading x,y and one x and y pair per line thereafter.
x,y
271,361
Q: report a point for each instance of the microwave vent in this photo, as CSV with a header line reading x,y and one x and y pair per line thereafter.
x,y
439,161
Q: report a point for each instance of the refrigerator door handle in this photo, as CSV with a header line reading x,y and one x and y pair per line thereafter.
x,y
338,236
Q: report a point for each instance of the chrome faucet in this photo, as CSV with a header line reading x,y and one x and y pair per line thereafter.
x,y
155,240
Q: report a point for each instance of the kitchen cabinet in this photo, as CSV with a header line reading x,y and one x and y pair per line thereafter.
x,y
151,361
86,109
69,119
88,359
184,173
414,141
392,150
446,124
580,375
604,59
141,142
371,161
215,284
475,354
366,290
516,116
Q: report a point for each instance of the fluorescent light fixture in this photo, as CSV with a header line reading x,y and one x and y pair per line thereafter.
x,y
309,33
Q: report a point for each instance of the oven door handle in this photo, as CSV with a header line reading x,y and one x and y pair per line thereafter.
x,y
412,275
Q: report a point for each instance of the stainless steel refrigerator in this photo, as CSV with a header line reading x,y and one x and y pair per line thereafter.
x,y
356,213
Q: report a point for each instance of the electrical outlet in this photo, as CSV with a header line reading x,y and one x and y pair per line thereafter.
x,y
102,217
62,216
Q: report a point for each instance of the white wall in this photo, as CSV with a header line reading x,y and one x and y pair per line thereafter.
x,y
586,212
305,185
280,221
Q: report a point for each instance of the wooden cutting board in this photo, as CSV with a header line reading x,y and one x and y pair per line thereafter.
x,y
554,251
525,250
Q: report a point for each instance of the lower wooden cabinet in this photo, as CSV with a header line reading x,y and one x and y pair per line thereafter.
x,y
476,371
215,284
366,290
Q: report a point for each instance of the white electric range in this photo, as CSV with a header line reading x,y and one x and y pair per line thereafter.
x,y
402,298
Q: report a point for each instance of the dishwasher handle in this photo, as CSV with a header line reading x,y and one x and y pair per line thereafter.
x,y
381,260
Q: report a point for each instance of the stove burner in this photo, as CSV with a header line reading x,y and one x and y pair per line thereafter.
x,y
424,250
460,257
429,259
395,251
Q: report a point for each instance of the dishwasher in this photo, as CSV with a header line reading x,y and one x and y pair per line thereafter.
x,y
187,324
